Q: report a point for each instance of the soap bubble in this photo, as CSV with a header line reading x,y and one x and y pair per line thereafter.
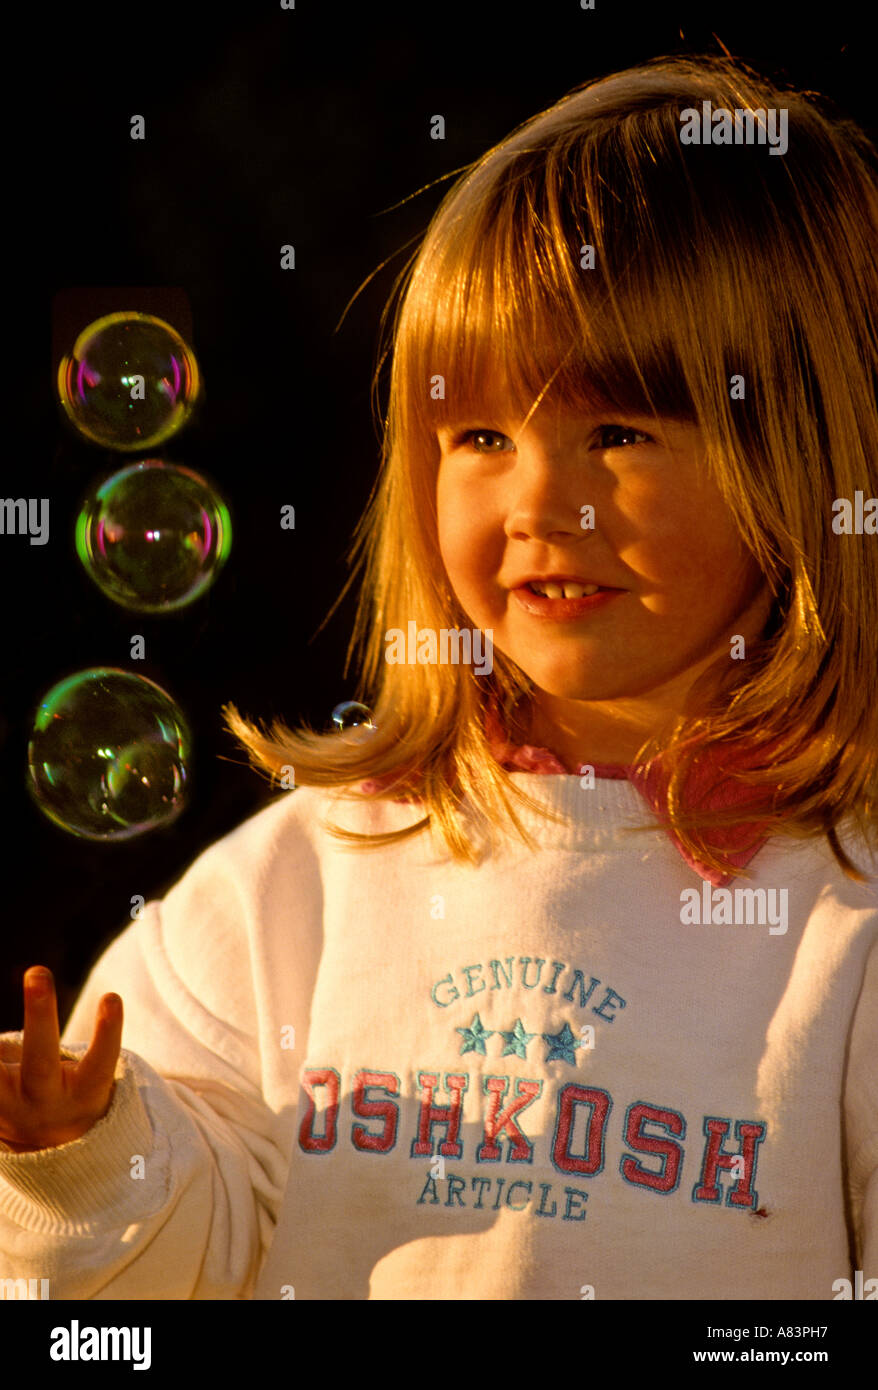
x,y
130,382
154,536
352,720
107,759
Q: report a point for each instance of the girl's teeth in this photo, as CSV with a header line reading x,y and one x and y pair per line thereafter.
x,y
565,590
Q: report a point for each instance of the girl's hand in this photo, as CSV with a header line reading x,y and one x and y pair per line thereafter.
x,y
47,1099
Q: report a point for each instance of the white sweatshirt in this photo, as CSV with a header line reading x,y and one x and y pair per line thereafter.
x,y
381,1074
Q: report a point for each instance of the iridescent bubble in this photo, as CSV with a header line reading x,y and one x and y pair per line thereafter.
x,y
107,758
154,536
130,382
353,720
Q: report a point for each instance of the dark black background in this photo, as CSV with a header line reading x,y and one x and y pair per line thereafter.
x,y
263,127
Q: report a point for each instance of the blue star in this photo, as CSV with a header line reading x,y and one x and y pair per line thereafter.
x,y
517,1040
474,1036
561,1045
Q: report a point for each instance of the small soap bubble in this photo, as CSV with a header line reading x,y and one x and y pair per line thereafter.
x,y
108,755
130,382
154,536
353,720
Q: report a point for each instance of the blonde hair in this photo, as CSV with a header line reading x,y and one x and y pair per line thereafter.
x,y
707,263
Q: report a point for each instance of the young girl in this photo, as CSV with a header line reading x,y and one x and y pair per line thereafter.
x,y
560,981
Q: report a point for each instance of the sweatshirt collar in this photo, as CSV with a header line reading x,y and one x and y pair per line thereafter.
x,y
709,788
706,790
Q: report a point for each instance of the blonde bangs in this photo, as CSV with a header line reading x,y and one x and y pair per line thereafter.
x,y
502,312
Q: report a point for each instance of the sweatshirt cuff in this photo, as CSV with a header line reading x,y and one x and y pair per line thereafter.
x,y
76,1184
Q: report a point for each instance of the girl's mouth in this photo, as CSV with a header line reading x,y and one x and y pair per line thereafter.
x,y
541,606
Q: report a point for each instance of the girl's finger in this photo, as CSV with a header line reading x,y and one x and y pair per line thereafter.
x,y
40,1047
97,1067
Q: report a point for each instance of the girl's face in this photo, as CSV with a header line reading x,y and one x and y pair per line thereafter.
x,y
663,540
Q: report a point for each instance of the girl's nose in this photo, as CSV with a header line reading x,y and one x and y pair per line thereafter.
x,y
547,499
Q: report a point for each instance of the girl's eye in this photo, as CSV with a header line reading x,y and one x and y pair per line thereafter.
x,y
615,435
476,438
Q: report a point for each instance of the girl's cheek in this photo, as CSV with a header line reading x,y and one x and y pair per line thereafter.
x,y
645,508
